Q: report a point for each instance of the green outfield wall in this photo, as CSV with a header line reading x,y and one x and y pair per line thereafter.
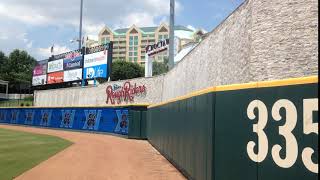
x,y
254,131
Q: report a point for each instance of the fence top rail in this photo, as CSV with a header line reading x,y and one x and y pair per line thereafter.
x,y
250,85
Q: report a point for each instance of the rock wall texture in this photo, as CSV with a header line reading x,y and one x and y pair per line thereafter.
x,y
97,96
260,40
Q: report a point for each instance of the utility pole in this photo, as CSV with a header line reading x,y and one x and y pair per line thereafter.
x,y
171,35
80,27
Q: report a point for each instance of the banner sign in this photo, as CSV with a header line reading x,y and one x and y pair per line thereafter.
x,y
54,66
39,80
126,93
40,68
56,77
95,59
72,75
158,47
111,120
99,71
72,61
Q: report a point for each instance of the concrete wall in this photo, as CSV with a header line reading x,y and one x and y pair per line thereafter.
x,y
261,40
78,96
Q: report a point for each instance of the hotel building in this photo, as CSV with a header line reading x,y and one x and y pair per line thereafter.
x,y
129,43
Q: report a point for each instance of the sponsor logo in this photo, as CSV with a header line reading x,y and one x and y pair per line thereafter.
x,y
45,117
40,68
123,122
95,59
72,63
39,80
125,93
95,72
14,116
29,117
92,119
56,77
3,115
72,75
67,118
54,66
157,48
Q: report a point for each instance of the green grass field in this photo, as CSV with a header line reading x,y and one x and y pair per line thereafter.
x,y
20,151
16,103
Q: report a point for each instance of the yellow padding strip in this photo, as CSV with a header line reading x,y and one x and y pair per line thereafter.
x,y
286,82
262,84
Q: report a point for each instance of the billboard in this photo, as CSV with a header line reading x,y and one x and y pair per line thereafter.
x,y
39,80
40,68
56,77
111,120
99,71
72,75
72,60
56,65
95,59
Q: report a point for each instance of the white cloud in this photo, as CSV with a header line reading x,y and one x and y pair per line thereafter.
x,y
18,19
29,45
58,49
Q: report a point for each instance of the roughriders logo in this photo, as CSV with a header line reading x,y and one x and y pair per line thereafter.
x,y
92,119
29,117
123,123
3,115
125,93
45,117
67,118
14,116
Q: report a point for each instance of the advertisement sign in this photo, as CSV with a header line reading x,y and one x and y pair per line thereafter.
x,y
55,66
95,59
124,93
72,75
72,61
95,72
40,68
56,77
111,120
39,80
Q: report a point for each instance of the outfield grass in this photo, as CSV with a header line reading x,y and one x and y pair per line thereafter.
x,y
20,151
16,103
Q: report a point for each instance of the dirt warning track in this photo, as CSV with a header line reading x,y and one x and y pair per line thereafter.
x,y
98,156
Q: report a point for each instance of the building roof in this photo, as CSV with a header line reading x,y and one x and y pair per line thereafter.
x,y
178,57
150,29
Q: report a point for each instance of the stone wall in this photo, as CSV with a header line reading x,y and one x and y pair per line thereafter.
x,y
86,96
260,40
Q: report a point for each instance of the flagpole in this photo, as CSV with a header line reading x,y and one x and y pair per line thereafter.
x,y
80,27
171,35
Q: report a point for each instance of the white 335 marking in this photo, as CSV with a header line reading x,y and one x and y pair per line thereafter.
x,y
309,105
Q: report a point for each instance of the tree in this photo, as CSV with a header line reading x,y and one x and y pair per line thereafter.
x,y
160,67
17,68
125,70
3,64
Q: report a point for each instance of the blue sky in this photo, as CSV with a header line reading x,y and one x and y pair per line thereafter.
x,y
34,25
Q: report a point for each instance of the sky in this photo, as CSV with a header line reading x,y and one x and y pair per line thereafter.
x,y
35,25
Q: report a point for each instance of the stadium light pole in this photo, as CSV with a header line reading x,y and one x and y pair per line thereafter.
x,y
80,26
171,35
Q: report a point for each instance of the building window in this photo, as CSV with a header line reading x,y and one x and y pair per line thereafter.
x,y
133,47
105,40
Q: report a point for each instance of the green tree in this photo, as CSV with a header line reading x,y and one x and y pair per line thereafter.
x,y
160,67
125,70
3,64
17,68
